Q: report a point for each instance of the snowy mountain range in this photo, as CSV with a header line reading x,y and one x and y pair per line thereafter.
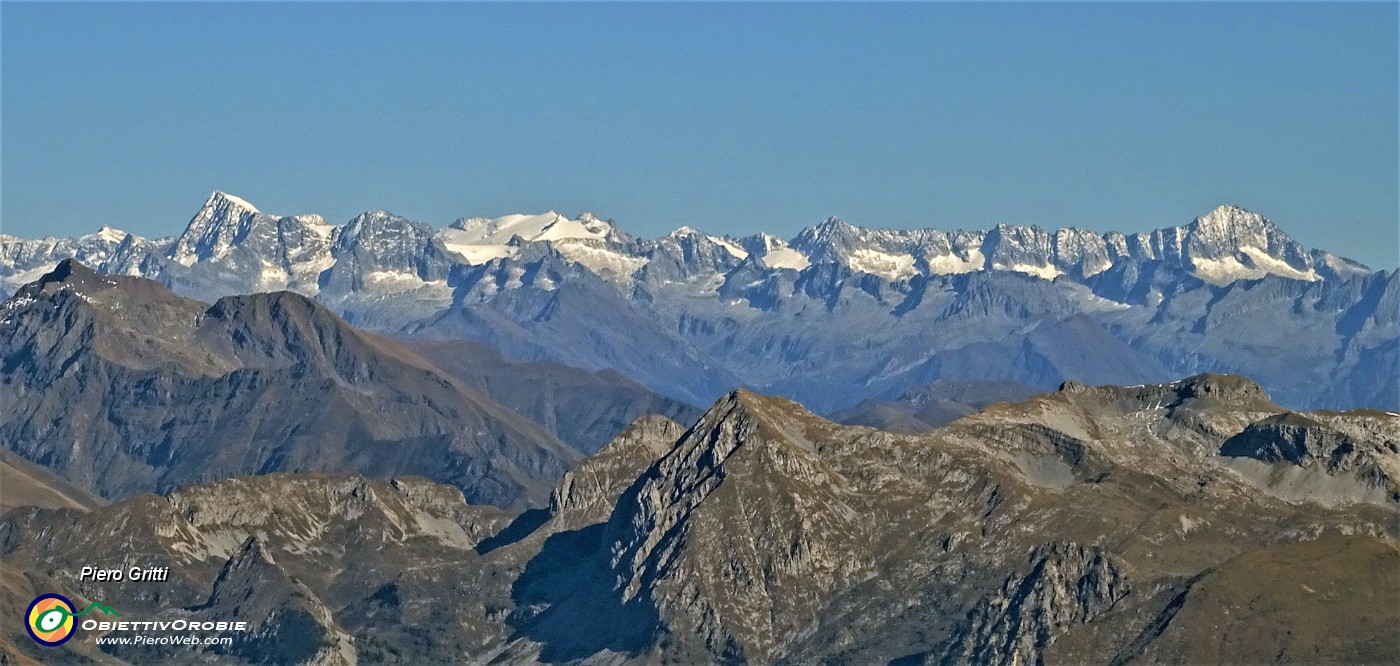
x,y
835,316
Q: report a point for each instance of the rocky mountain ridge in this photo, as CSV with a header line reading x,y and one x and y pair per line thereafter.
x,y
1091,524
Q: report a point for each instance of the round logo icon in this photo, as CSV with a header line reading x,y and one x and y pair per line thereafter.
x,y
50,619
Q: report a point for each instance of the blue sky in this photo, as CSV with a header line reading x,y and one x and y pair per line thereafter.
x,y
730,118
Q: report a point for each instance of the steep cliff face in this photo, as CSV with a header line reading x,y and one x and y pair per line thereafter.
x,y
766,535
327,569
1067,585
1329,457
588,492
745,491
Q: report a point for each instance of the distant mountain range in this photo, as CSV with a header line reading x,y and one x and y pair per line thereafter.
x,y
837,316
425,498
1188,522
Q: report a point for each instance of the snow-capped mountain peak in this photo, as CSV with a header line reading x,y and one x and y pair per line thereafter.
x,y
110,234
213,230
885,296
688,235
1230,243
832,225
761,243
481,239
598,226
549,225
1232,227
229,246
226,199
833,235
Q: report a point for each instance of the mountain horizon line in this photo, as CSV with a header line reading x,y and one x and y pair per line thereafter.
x,y
220,198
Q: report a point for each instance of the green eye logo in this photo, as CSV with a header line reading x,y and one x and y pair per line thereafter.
x,y
50,618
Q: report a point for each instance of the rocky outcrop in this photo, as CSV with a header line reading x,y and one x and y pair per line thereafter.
x,y
1068,584
1321,449
588,492
288,624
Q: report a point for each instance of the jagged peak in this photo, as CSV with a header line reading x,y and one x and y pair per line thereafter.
x,y
251,550
218,211
761,243
646,424
1230,212
594,484
97,289
773,414
312,220
377,214
110,234
375,221
830,228
212,229
1008,230
1231,223
220,199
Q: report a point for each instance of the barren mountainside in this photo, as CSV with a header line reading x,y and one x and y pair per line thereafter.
x,y
119,387
1087,525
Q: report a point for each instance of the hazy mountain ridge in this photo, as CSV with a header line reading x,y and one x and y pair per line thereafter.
x,y
931,406
1090,524
587,409
120,386
836,316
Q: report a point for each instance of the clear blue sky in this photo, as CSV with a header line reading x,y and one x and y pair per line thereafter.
x,y
731,118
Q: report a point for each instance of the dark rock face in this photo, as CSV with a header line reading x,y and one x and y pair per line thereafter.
x,y
314,563
1295,439
1330,447
1067,585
